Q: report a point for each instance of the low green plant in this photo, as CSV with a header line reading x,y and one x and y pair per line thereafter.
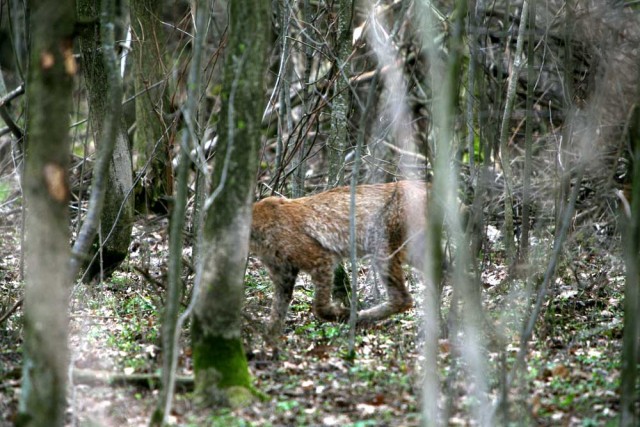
x,y
5,191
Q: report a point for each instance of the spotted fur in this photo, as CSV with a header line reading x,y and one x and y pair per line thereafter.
x,y
311,234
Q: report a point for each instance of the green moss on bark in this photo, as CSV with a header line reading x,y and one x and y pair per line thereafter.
x,y
225,356
220,366
224,374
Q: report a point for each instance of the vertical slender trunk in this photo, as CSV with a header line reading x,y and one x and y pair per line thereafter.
x,y
445,99
116,220
505,158
152,105
353,317
219,361
284,111
301,164
528,156
563,152
629,374
339,133
106,146
171,323
46,356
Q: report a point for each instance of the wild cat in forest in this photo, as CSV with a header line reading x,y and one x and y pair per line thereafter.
x,y
311,235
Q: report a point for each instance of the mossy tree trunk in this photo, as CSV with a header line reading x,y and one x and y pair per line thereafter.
x,y
116,220
152,135
220,364
46,192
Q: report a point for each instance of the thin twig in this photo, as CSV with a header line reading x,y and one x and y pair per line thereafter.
x,y
9,312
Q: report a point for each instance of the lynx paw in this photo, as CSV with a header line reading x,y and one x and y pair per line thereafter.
x,y
332,313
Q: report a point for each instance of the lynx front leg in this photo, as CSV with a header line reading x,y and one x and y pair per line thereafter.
x,y
399,299
283,278
323,307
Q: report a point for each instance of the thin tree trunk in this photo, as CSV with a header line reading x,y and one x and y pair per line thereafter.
x,y
528,155
471,92
19,15
284,111
442,108
339,133
467,290
563,157
116,220
353,288
171,325
220,363
558,243
300,166
476,220
46,190
629,374
505,158
112,113
151,139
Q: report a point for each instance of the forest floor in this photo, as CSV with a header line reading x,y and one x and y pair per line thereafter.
x,y
571,377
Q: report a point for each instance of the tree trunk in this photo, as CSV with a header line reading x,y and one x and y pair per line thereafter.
x,y
172,322
505,156
528,156
117,215
629,371
46,190
220,364
442,197
82,247
339,134
300,164
152,105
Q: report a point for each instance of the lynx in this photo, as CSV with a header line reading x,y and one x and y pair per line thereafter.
x,y
311,234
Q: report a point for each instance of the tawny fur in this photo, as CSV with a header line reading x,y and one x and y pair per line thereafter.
x,y
311,234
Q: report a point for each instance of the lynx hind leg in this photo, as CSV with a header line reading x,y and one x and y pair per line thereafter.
x,y
284,279
399,299
323,307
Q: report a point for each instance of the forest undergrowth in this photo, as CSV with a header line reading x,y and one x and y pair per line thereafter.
x,y
572,374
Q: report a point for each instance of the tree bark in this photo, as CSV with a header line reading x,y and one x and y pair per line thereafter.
x,y
300,164
46,190
116,220
505,157
528,156
152,105
339,134
220,364
442,199
629,371
87,234
172,321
